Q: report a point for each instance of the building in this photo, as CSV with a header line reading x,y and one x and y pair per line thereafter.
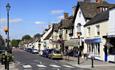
x,y
85,11
98,31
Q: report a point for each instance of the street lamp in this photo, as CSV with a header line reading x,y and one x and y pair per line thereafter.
x,y
79,50
39,46
6,29
8,9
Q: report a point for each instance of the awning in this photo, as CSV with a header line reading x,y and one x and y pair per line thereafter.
x,y
109,36
72,42
93,40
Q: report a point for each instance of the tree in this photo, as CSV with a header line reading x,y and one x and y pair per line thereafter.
x,y
26,37
37,35
2,43
15,43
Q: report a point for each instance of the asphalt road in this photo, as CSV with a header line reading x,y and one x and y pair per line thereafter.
x,y
28,61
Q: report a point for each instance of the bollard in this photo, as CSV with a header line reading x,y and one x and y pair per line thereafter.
x,y
78,59
6,61
92,61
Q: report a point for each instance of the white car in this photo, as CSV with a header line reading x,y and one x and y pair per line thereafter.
x,y
34,51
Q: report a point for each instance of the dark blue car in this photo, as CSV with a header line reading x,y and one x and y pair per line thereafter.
x,y
29,50
46,52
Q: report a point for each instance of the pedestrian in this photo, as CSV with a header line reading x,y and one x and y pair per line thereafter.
x,y
105,52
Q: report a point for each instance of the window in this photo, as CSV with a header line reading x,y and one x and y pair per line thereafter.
x,y
88,31
66,31
78,27
79,13
97,29
61,31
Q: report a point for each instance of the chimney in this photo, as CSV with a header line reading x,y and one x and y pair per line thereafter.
x,y
49,26
99,1
73,10
65,15
87,0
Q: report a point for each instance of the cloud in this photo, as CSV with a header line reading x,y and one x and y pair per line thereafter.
x,y
15,20
60,17
57,12
39,22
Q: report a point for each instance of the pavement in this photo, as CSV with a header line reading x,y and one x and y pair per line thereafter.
x,y
12,66
86,63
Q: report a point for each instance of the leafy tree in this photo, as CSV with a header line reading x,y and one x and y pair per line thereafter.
x,y
15,43
37,35
2,43
26,37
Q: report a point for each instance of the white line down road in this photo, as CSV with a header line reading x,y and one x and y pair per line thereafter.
x,y
53,65
68,66
27,66
41,66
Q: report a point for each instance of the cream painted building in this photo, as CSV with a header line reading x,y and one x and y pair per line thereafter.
x,y
96,30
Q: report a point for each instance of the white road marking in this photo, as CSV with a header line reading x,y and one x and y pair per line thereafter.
x,y
41,65
40,62
68,66
58,69
27,66
53,65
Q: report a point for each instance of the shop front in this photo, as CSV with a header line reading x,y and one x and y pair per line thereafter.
x,y
93,46
110,43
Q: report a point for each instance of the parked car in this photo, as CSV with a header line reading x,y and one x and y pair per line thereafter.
x,y
28,50
34,51
55,54
46,52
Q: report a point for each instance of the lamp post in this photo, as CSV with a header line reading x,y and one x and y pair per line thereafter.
x,y
6,29
8,9
79,50
39,46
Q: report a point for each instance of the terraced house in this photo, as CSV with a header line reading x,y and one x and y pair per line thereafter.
x,y
85,11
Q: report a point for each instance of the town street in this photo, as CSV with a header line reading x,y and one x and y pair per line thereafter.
x,y
28,61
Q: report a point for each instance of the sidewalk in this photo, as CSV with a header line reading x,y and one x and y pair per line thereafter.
x,y
86,63
12,66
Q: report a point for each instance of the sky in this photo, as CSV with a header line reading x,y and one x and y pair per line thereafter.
x,y
33,16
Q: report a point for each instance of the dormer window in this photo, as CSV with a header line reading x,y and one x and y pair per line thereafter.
x,y
101,9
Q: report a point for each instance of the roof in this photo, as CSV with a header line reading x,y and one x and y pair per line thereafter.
x,y
89,9
49,35
56,27
98,18
66,23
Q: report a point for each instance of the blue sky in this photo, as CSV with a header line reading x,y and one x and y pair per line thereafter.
x,y
33,16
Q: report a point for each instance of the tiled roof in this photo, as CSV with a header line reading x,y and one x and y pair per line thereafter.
x,y
66,23
56,27
98,18
49,35
89,9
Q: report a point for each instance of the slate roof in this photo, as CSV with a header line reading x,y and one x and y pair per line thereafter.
x,y
56,27
49,35
66,23
89,9
98,18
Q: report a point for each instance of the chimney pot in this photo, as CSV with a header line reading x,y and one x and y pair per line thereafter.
x,y
65,15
